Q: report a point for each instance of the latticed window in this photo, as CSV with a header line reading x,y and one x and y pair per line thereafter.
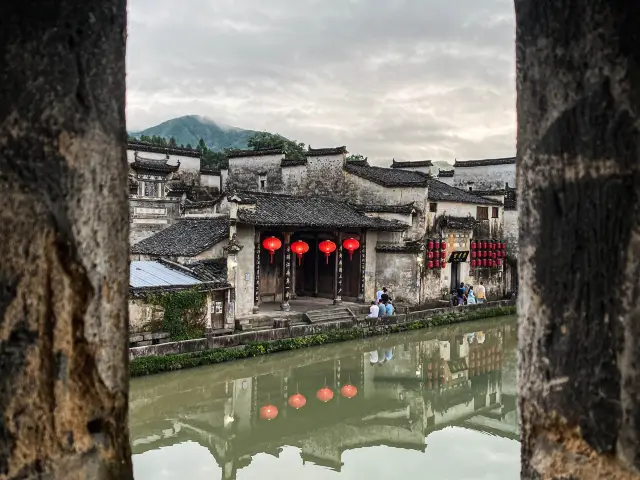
x,y
482,213
150,189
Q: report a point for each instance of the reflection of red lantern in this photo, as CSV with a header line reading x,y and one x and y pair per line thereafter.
x,y
327,247
351,245
297,401
299,248
268,412
272,244
324,394
430,264
443,254
348,391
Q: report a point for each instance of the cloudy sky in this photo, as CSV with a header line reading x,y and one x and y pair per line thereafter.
x,y
410,79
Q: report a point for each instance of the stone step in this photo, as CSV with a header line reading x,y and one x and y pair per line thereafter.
x,y
334,319
329,314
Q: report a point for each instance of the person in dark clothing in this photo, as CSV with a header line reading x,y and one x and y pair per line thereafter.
x,y
461,294
385,296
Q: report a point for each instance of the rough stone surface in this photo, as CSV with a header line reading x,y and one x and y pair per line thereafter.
x,y
64,231
578,142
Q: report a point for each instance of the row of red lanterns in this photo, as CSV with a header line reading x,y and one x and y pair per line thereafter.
x,y
297,401
488,245
271,244
437,263
487,254
436,244
486,263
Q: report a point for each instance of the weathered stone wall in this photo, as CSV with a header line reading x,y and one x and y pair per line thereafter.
x,y
399,272
491,228
244,286
511,231
142,316
371,285
224,178
490,177
217,251
207,180
149,216
245,173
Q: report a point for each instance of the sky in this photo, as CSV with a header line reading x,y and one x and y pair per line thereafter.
x,y
403,79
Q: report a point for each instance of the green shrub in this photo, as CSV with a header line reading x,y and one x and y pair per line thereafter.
x,y
185,313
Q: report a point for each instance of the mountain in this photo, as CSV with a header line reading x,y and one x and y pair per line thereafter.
x,y
190,128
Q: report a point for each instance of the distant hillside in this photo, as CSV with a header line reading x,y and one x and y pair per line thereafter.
x,y
189,129
439,164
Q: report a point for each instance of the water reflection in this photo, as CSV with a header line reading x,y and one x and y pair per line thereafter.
x,y
345,408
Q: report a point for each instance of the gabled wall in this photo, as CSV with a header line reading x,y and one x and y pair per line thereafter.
x,y
489,177
245,172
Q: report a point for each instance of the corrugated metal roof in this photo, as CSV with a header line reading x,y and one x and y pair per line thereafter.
x,y
155,274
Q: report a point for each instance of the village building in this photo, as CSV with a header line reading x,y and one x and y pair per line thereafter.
x,y
322,227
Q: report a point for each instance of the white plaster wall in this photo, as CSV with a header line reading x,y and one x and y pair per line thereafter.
x,y
224,176
322,164
447,180
210,180
489,177
244,271
217,251
244,172
511,230
141,315
370,286
366,190
293,178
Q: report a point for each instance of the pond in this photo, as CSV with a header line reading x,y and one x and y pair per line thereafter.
x,y
437,403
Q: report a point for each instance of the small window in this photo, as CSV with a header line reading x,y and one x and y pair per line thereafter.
x,y
471,189
482,213
494,212
433,207
262,182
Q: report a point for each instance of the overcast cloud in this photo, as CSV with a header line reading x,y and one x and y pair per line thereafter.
x,y
410,79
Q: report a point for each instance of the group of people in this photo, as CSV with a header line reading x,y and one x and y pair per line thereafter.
x,y
382,306
466,295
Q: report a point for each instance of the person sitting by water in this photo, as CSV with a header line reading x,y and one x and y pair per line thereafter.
x,y
373,357
382,309
373,310
471,299
389,308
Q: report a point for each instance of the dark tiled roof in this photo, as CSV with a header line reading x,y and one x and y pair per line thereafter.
x,y
486,162
298,211
187,237
457,223
254,153
415,164
293,162
153,165
147,147
202,204
210,270
321,152
178,187
389,177
407,208
491,193
209,171
359,163
445,173
441,192
407,247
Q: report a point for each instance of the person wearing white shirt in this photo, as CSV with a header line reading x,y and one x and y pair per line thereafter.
x,y
373,310
379,294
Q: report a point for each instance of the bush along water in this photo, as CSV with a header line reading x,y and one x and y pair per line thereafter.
x,y
184,313
149,365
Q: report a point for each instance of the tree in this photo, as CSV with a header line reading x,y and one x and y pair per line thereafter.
x,y
64,270
189,147
201,145
356,157
578,143
291,148
172,142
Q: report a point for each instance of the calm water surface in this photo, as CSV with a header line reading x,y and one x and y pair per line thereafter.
x,y
435,404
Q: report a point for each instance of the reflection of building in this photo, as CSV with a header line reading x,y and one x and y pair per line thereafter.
x,y
402,389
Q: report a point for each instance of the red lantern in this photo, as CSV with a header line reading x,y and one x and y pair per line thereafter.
x,y
495,264
492,245
327,247
436,263
443,264
351,245
430,254
324,394
484,262
499,262
430,244
430,264
473,263
504,245
297,401
443,245
268,412
484,245
473,254
299,248
272,244
473,245
443,254
348,391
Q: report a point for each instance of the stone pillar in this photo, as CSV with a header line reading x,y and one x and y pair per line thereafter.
x,y
286,272
578,143
64,252
363,266
338,272
256,273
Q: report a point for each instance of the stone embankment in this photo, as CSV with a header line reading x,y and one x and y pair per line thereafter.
x,y
163,357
